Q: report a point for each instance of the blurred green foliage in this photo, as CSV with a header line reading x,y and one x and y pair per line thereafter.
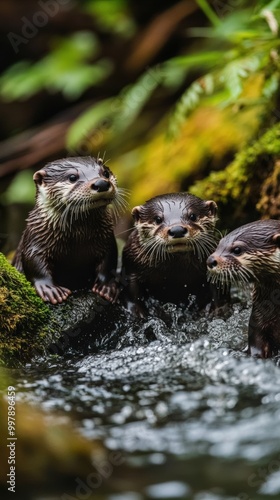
x,y
22,189
247,39
112,15
67,68
235,49
236,46
194,110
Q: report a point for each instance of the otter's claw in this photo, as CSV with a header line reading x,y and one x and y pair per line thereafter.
x,y
108,292
51,293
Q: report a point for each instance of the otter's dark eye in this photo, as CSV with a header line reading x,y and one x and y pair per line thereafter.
x,y
237,250
73,177
158,219
106,174
193,217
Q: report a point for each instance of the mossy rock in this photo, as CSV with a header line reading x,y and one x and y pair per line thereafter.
x,y
24,318
244,187
85,323
29,327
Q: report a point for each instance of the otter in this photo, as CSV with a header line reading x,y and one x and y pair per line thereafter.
x,y
251,254
69,243
165,254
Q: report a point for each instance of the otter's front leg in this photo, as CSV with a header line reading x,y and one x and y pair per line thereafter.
x,y
38,273
132,297
105,284
259,345
259,349
220,297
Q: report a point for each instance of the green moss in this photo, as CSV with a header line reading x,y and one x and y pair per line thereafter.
x,y
238,185
269,202
23,319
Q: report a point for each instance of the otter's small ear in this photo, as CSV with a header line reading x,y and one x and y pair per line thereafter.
x,y
39,176
212,207
276,239
136,213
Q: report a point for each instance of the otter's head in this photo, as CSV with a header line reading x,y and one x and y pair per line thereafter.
x,y
78,183
175,223
248,254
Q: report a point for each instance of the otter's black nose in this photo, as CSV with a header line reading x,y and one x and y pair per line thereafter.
x,y
177,231
211,262
100,185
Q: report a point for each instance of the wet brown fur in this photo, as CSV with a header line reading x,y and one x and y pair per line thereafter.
x,y
251,254
165,255
68,243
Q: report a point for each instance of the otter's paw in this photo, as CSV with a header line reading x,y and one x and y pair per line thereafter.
x,y
263,351
51,293
137,309
108,292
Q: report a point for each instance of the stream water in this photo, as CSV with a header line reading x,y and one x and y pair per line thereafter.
x,y
191,415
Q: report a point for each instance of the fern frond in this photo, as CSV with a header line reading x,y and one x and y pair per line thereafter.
x,y
230,78
189,100
132,100
120,111
234,74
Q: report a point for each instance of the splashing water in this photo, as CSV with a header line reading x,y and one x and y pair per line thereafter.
x,y
193,416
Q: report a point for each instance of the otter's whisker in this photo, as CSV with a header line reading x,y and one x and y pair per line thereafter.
x,y
126,231
120,204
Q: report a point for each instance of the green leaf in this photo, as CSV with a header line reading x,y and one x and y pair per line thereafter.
x,y
21,189
209,12
74,81
113,16
200,59
274,4
20,81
